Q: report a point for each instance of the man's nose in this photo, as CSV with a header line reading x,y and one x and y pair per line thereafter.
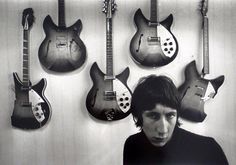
x,y
162,126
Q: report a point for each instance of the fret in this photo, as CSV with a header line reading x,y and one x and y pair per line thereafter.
x,y
25,44
25,63
205,46
154,15
25,67
109,53
61,13
25,51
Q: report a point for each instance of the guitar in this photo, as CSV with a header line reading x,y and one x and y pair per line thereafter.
x,y
109,98
62,50
153,44
31,108
196,90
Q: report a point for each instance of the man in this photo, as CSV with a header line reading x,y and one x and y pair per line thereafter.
x,y
155,108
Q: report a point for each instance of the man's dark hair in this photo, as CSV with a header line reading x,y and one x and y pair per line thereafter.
x,y
152,90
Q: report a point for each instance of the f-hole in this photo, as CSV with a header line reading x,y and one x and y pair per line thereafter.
x,y
139,42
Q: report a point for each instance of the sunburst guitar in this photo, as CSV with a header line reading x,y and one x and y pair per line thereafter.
x,y
31,108
62,50
153,44
109,98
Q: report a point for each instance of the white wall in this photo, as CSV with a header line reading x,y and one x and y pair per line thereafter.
x,y
73,136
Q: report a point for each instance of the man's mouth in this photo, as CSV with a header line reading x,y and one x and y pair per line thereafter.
x,y
159,139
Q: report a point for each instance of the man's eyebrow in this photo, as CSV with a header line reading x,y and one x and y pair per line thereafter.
x,y
171,112
151,112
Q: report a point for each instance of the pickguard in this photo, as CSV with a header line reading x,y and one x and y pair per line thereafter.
x,y
168,44
36,102
196,90
210,92
123,95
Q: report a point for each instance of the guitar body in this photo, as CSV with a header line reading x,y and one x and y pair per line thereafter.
x,y
104,105
195,91
31,108
62,50
149,50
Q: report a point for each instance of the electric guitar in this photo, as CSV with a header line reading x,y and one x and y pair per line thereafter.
x,y
153,44
31,108
62,50
196,90
109,98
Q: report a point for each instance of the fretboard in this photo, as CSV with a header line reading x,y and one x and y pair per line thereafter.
x,y
154,15
61,13
205,46
109,54
26,74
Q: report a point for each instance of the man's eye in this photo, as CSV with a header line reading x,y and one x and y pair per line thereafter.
x,y
153,116
171,115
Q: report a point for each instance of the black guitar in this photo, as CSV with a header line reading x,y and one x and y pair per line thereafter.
x,y
153,44
196,90
62,50
109,99
31,108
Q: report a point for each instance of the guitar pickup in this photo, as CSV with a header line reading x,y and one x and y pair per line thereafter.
x,y
61,42
153,24
26,104
153,40
25,88
109,77
110,95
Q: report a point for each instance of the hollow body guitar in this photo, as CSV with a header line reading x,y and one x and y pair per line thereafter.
x,y
31,108
153,44
196,90
109,98
62,50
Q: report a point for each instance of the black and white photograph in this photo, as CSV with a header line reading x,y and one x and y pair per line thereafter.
x,y
117,82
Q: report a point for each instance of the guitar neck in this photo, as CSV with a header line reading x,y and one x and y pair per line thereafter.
x,y
109,52
61,13
205,46
154,13
26,74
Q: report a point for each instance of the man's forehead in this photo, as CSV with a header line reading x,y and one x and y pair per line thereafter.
x,y
159,108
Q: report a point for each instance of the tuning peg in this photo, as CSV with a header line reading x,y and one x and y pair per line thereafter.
x,y
104,10
114,6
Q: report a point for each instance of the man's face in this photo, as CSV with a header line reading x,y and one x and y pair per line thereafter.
x,y
159,124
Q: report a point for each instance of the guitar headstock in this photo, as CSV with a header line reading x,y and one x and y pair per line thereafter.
x,y
204,7
27,18
109,7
